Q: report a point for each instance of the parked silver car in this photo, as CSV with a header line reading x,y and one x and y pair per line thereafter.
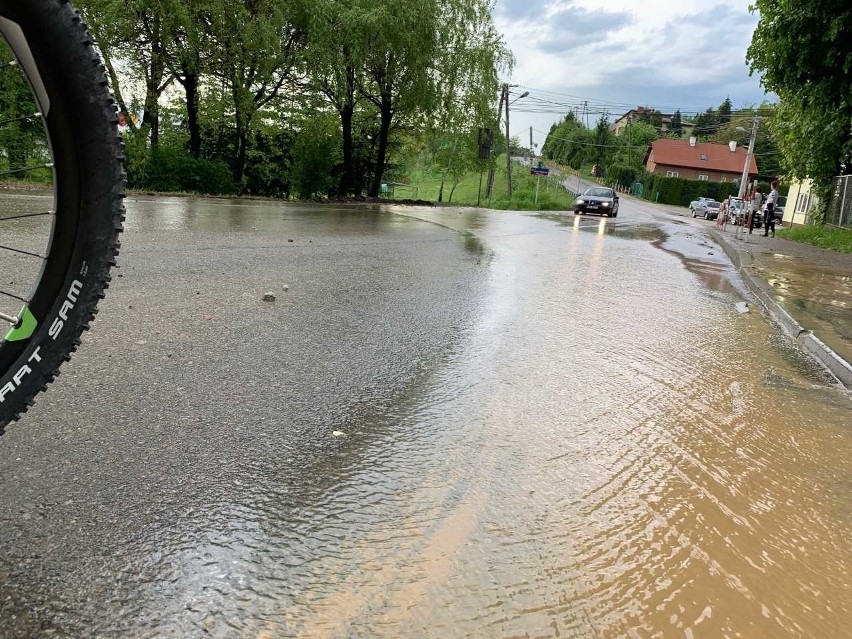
x,y
697,202
708,209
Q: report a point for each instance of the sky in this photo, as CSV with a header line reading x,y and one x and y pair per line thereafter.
x,y
616,55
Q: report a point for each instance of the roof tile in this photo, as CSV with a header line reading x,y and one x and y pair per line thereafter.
x,y
719,157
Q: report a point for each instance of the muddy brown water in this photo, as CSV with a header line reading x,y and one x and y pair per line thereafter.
x,y
606,448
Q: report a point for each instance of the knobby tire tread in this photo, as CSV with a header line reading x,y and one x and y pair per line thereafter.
x,y
107,245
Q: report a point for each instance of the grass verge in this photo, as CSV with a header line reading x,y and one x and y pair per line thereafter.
x,y
552,195
827,237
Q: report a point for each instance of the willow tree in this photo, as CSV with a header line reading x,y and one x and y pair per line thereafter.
x,y
335,52
257,51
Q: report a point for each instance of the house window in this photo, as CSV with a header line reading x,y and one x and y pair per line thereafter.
x,y
672,173
723,179
803,203
703,177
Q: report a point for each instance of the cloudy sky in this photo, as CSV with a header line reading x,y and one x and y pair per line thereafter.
x,y
668,54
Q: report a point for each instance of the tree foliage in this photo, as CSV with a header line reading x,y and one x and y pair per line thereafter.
x,y
310,97
803,53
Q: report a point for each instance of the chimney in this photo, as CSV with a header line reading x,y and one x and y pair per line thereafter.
x,y
693,140
732,145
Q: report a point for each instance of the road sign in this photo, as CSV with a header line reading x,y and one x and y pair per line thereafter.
x,y
539,170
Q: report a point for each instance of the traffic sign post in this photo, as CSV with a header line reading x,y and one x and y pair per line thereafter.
x,y
538,171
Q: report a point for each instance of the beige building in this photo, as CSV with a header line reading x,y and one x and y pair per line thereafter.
x,y
800,202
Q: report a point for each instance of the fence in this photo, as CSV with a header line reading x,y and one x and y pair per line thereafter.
x,y
839,212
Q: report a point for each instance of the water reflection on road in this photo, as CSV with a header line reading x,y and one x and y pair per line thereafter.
x,y
607,449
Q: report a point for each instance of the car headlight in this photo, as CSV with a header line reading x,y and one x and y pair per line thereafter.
x,y
580,200
606,203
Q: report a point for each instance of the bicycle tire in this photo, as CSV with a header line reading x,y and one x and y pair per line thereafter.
x,y
54,51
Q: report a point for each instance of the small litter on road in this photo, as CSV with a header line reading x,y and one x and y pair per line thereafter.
x,y
742,307
285,288
269,297
338,433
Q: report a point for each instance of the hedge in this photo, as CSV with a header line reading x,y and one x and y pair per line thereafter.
x,y
680,192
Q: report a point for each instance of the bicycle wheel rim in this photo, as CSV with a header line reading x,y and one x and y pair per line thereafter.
x,y
56,256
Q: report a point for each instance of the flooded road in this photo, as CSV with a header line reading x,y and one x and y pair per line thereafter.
x,y
454,423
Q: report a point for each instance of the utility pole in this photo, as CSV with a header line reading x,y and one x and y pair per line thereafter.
x,y
744,179
532,153
508,145
504,95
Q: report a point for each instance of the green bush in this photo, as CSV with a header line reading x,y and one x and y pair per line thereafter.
x,y
173,170
621,174
680,192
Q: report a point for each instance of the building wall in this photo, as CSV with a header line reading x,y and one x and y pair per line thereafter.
x,y
800,202
690,173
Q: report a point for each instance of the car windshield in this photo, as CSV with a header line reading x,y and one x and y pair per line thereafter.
x,y
598,192
713,204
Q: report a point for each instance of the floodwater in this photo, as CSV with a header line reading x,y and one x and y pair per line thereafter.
x,y
517,426
821,295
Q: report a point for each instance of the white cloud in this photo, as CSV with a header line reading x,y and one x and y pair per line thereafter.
x,y
668,54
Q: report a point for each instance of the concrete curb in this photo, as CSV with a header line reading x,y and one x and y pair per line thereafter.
x,y
742,259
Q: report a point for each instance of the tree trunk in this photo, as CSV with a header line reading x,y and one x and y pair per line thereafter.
x,y
381,156
190,84
242,146
153,82
347,111
115,87
452,190
346,179
151,118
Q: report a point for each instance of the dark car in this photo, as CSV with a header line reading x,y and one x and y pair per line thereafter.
x,y
598,199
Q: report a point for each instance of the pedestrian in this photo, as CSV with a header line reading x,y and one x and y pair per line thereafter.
x,y
756,201
771,199
723,212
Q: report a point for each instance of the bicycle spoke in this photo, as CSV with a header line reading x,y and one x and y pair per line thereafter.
x,y
9,318
14,297
21,251
20,118
20,217
35,167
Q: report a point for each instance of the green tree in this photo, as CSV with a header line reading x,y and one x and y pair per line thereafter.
x,y
803,53
316,151
602,141
706,123
766,150
677,124
258,45
723,113
22,139
632,143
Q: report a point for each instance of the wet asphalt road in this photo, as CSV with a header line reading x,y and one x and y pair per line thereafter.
x,y
451,423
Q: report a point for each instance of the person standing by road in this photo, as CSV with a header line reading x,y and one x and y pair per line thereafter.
x,y
771,199
756,201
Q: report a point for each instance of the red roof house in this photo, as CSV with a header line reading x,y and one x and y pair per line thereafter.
x,y
703,161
